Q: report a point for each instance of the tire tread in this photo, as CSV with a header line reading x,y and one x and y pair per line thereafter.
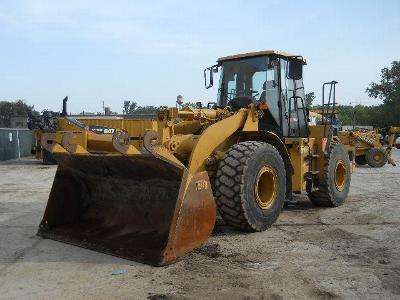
x,y
229,183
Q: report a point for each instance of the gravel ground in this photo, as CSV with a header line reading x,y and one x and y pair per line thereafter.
x,y
351,251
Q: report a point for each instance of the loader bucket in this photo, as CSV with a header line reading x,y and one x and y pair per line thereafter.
x,y
136,207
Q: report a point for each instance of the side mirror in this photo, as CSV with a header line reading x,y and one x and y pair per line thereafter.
x,y
209,76
295,70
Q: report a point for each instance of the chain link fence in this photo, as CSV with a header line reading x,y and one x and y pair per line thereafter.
x,y
15,143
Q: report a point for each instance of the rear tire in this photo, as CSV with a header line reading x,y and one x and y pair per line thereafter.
x,y
376,157
250,186
334,188
360,160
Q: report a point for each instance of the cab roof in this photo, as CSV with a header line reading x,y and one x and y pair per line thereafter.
x,y
262,53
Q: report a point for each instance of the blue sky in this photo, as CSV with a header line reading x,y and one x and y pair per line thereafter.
x,y
150,51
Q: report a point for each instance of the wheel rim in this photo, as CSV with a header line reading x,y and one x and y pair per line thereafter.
x,y
378,157
340,175
266,187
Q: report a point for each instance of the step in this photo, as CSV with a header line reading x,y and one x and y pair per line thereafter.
x,y
312,156
312,173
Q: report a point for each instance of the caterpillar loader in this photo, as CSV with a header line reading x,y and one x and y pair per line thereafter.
x,y
92,133
242,155
368,147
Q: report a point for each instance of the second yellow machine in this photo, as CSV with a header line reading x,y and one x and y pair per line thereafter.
x,y
243,155
368,147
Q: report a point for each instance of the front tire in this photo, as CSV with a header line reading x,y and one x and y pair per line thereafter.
x,y
334,188
250,186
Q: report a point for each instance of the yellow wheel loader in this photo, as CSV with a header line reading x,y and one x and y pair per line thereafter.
x,y
243,156
83,136
93,133
368,147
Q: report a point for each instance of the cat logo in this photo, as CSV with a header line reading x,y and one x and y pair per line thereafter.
x,y
201,185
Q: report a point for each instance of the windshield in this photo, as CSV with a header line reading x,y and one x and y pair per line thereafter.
x,y
244,78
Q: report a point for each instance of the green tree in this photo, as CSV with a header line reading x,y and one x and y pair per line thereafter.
x,y
361,115
146,110
384,115
310,97
189,104
17,108
129,107
388,90
345,114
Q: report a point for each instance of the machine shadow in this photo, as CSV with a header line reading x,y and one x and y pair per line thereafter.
x,y
299,203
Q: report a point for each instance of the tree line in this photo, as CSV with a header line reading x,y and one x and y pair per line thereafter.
x,y
132,108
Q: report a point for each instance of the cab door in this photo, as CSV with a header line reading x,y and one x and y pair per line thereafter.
x,y
293,110
271,121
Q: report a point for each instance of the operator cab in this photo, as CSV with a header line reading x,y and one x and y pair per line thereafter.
x,y
270,79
